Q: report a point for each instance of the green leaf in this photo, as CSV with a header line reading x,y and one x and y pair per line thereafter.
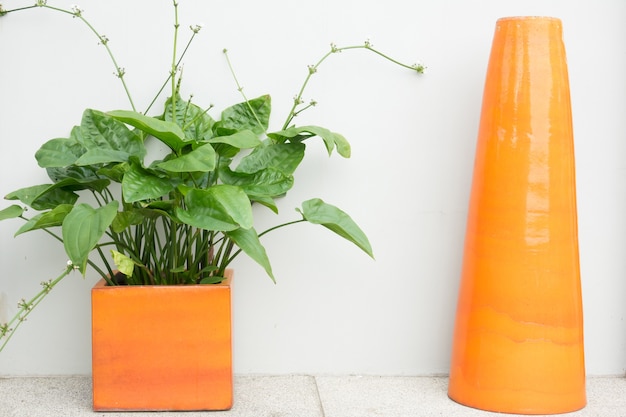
x,y
60,152
77,184
84,178
201,159
301,133
244,139
115,172
43,197
102,156
126,218
252,115
52,218
265,201
11,212
158,208
167,132
105,137
284,157
317,211
248,241
212,279
140,184
267,183
197,124
219,208
124,264
83,228
48,196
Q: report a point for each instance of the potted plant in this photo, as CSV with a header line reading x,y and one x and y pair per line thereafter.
x,y
162,228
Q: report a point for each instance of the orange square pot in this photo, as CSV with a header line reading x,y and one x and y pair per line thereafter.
x,y
162,347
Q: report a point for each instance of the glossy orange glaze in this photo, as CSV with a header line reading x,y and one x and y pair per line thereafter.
x,y
162,347
518,340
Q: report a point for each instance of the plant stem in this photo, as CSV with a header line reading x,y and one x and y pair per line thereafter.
x,y
3,12
169,77
119,71
234,255
240,88
26,307
174,63
313,69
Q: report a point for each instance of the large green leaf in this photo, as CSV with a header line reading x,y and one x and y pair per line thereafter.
x,y
141,184
105,137
28,194
82,174
59,152
318,212
244,139
48,196
331,139
11,212
269,182
166,131
102,156
52,218
284,157
44,196
219,208
252,115
76,184
83,228
201,159
248,241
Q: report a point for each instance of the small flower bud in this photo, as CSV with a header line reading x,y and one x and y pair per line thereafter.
x,y
76,10
47,286
24,305
195,28
419,68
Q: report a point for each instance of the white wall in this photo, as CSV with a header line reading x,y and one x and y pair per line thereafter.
x,y
333,310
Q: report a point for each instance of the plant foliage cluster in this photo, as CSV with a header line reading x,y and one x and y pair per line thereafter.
x,y
183,217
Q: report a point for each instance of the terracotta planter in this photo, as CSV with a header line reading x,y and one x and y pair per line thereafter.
x,y
518,340
162,347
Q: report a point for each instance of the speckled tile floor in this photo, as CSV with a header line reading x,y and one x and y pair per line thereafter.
x,y
294,395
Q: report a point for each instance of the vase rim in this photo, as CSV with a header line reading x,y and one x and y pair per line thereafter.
x,y
548,18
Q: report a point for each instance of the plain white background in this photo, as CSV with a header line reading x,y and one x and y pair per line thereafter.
x,y
333,310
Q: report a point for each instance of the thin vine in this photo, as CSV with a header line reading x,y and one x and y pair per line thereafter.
x,y
7,330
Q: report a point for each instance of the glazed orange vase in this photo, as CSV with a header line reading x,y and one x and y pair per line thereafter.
x,y
162,348
518,338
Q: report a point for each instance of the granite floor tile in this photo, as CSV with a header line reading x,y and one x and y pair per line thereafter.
x,y
374,396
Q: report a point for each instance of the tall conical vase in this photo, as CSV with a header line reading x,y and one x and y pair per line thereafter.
x,y
518,338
